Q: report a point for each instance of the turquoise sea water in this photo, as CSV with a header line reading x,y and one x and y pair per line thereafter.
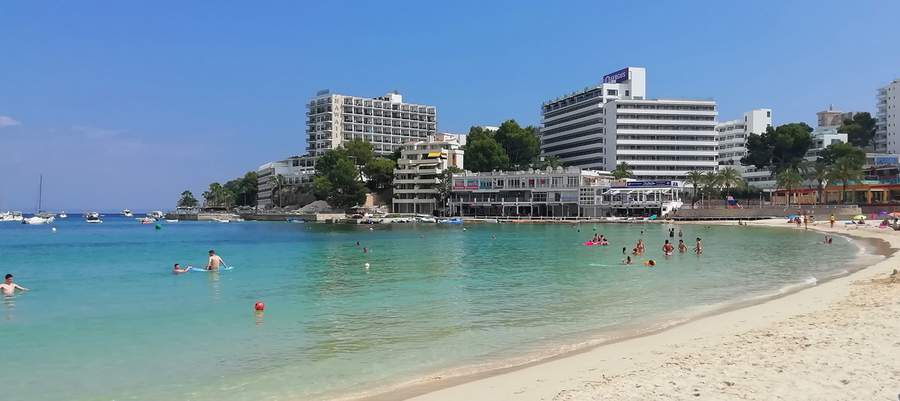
x,y
106,320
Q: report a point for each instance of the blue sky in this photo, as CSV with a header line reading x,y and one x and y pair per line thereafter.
x,y
126,104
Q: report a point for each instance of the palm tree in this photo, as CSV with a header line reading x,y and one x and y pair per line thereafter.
x,y
277,187
695,178
710,183
622,171
844,169
816,172
729,177
789,179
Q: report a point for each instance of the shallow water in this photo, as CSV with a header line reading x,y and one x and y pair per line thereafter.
x,y
106,320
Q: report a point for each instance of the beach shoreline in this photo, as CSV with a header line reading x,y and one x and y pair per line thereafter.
x,y
555,376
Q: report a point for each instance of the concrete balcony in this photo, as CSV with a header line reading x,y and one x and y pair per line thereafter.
x,y
429,181
416,191
419,171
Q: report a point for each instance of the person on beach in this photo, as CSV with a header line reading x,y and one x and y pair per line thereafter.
x,y
9,287
831,220
805,222
698,248
682,247
178,270
214,261
668,248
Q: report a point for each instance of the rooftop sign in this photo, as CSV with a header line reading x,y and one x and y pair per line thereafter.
x,y
616,77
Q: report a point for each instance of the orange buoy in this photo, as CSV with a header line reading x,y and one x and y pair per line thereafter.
x,y
260,306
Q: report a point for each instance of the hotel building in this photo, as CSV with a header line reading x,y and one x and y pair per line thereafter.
x,y
887,116
613,122
386,122
417,178
732,136
294,171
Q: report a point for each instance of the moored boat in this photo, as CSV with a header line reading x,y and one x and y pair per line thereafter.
x,y
127,213
93,218
11,217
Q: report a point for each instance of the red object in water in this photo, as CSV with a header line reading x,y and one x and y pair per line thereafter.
x,y
260,306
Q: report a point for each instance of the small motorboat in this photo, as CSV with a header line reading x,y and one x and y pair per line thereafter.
x,y
93,218
222,220
171,220
63,215
452,220
147,220
127,213
156,214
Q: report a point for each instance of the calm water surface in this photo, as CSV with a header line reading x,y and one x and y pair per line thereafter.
x,y
106,320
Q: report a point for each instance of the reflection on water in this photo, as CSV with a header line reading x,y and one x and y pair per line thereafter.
x,y
9,305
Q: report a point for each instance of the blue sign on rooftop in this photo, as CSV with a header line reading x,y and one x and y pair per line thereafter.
x,y
616,77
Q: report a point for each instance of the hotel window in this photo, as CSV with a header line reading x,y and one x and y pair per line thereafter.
x,y
572,182
531,183
612,92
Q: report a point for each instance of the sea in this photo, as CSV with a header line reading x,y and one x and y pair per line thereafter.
x,y
353,310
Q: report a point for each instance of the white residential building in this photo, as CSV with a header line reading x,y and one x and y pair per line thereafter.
x,y
662,139
417,178
292,172
385,122
574,126
732,135
887,115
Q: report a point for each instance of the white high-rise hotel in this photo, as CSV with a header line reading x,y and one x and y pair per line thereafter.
x,y
613,122
887,115
732,135
385,122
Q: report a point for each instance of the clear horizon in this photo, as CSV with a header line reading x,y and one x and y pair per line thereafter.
x,y
126,105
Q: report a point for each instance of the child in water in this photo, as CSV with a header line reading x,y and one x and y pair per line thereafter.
x,y
650,263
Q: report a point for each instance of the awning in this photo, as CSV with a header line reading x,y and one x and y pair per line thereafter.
x,y
432,155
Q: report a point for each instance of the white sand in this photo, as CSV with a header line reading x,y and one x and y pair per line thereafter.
x,y
836,341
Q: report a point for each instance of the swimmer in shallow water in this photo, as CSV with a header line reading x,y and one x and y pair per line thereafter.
x,y
650,263
668,248
9,287
178,270
682,247
627,260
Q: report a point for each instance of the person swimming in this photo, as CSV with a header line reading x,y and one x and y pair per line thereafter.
x,y
9,287
650,263
627,260
178,270
668,249
682,248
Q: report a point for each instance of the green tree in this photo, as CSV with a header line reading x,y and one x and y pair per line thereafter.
x,y
359,151
380,173
543,162
837,151
217,196
729,178
860,130
845,169
816,172
485,154
695,178
446,186
522,145
396,154
244,189
622,171
711,183
789,179
781,148
187,199
337,180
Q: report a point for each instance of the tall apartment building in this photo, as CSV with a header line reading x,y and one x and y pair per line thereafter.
x,y
386,122
660,138
732,135
612,122
418,174
887,115
574,127
293,172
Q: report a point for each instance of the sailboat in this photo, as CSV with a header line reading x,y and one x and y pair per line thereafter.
x,y
40,217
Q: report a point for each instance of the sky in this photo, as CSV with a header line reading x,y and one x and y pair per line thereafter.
x,y
126,104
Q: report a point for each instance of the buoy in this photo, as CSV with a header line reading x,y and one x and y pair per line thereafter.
x,y
260,306
53,229
158,227
367,265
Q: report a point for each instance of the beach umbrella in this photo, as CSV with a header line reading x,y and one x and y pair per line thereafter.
x,y
792,216
895,214
653,217
859,217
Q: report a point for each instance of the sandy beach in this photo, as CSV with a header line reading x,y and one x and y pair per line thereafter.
x,y
839,340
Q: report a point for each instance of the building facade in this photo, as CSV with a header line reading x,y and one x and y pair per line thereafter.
x,y
574,126
732,135
290,173
419,172
386,122
887,116
833,118
662,139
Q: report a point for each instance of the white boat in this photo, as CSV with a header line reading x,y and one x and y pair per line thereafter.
x,y
147,220
222,220
11,217
63,215
156,214
127,213
93,218
38,220
171,220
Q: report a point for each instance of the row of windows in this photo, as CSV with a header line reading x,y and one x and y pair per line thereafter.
x,y
387,122
387,105
394,114
664,137
672,168
665,127
395,131
665,107
571,100
517,182
663,147
593,105
665,117
576,116
581,153
597,141
668,158
573,136
552,131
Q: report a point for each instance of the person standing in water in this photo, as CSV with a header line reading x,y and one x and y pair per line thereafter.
x,y
9,287
831,220
682,248
214,261
698,249
668,248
